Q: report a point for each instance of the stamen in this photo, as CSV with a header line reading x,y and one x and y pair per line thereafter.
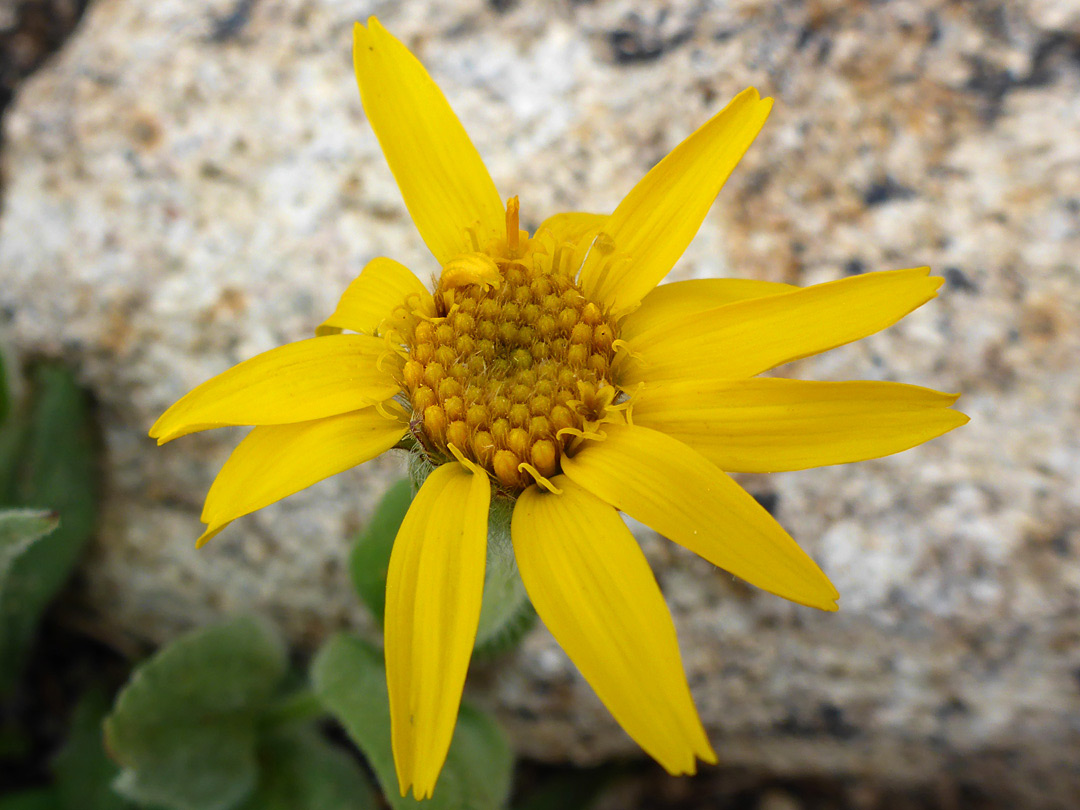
x,y
513,370
512,225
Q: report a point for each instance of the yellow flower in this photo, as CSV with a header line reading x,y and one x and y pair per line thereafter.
x,y
551,370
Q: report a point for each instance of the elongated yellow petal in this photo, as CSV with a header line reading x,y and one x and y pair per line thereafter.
x,y
669,304
683,496
745,338
446,186
297,382
374,295
590,583
433,592
275,461
652,226
770,425
571,227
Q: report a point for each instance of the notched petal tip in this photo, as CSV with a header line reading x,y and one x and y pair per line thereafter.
x,y
210,533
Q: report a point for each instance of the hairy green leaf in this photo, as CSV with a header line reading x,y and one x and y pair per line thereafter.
x,y
300,770
184,729
55,470
349,675
83,771
370,555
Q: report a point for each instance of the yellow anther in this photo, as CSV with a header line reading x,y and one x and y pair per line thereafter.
x,y
508,332
545,457
519,414
505,465
540,405
445,356
590,314
435,421
519,441
483,446
540,288
444,332
424,332
500,406
422,398
578,355
465,345
464,322
545,326
521,358
581,333
603,337
567,318
433,373
413,373
423,353
512,225
539,427
470,268
455,409
449,387
500,431
457,433
476,415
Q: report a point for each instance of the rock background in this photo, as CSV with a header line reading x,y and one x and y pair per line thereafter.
x,y
187,184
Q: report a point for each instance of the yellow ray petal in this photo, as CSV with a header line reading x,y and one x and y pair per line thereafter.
x,y
571,227
297,382
433,591
666,485
745,338
275,461
670,303
372,297
590,583
769,425
656,221
445,184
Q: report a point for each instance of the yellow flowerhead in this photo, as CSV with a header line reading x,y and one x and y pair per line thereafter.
x,y
549,369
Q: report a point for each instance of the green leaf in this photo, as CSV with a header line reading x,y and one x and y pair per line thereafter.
x,y
37,799
5,390
14,434
349,675
184,729
56,470
19,529
370,555
302,771
83,771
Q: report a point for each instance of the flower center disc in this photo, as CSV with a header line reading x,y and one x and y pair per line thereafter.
x,y
514,367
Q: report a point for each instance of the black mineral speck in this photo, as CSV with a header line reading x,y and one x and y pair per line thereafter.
x,y
886,190
957,280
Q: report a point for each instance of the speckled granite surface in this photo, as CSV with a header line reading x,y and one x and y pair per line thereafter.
x,y
189,184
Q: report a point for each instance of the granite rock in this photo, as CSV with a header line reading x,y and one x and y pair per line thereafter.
x,y
189,184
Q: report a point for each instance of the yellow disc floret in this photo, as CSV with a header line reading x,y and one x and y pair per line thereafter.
x,y
515,364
